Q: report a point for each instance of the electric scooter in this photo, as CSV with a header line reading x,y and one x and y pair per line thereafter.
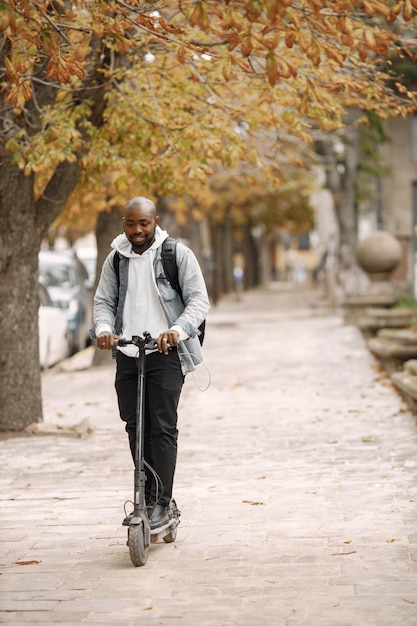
x,y
139,534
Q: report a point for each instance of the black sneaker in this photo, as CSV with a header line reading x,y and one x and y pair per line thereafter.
x,y
159,517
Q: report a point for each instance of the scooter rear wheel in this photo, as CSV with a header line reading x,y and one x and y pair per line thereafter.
x,y
171,536
136,542
174,513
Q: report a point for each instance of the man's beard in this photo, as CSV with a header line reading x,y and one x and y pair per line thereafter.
x,y
143,244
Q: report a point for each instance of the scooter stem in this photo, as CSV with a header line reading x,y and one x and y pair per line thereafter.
x,y
140,475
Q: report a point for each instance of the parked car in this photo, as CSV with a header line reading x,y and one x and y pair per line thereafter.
x,y
54,336
70,289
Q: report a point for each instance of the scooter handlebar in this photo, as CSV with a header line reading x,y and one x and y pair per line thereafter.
x,y
148,342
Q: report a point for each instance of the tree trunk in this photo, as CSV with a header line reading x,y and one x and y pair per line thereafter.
x,y
23,224
264,260
346,209
168,218
251,258
195,232
216,244
227,255
351,279
109,225
20,383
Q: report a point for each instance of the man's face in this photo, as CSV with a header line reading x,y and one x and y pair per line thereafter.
x,y
139,226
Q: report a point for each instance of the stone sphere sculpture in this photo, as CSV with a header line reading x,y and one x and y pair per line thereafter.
x,y
379,253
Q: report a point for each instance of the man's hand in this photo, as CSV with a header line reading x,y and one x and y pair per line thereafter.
x,y
166,339
106,341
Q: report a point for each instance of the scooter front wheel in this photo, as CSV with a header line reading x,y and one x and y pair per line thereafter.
x,y
136,541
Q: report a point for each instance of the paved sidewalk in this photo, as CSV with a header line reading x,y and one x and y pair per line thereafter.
x,y
296,480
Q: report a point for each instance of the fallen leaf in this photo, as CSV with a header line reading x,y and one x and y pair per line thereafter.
x,y
377,367
368,439
343,553
392,540
27,562
252,502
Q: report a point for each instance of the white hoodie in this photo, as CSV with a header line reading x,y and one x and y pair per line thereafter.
x,y
142,310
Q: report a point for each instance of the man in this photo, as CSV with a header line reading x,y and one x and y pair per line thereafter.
x,y
136,297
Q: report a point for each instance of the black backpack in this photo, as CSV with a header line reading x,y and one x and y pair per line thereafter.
x,y
169,262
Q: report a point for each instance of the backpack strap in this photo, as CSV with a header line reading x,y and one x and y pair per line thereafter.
x,y
116,265
169,262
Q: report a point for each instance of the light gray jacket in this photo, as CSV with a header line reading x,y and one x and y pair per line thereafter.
x,y
111,294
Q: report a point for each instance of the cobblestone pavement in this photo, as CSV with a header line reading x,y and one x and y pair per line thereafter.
x,y
296,481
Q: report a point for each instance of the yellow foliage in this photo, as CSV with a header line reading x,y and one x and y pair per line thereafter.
x,y
194,90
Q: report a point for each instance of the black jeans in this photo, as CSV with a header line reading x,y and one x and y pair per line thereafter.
x,y
163,385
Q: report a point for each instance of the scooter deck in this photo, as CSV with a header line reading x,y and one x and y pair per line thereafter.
x,y
159,533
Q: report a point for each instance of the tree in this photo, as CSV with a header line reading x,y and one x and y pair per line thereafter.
x,y
155,93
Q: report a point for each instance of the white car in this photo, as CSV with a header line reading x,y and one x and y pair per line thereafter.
x,y
70,290
54,336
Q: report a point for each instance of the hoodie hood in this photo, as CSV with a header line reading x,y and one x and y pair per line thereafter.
x,y
122,244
